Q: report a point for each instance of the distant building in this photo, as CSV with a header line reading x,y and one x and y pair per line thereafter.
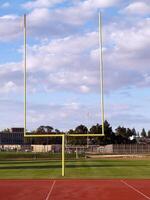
x,y
15,136
16,130
12,136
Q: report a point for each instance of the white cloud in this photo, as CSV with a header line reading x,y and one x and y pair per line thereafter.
x,y
9,17
126,55
11,78
132,41
15,116
71,63
10,27
35,117
61,52
38,16
64,116
63,63
5,5
86,4
99,3
60,64
41,3
84,10
65,20
84,89
133,38
138,8
66,59
56,22
69,115
61,116
8,87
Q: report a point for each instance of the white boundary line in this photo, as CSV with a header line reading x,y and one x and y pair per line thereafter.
x,y
51,189
133,188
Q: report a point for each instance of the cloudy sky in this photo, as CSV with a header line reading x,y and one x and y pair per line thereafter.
x,y
63,63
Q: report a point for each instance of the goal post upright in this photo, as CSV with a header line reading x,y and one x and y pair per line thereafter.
x,y
101,69
63,155
25,74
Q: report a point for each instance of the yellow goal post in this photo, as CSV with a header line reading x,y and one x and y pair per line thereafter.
x,y
63,136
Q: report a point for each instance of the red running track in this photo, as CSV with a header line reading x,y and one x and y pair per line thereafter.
x,y
74,189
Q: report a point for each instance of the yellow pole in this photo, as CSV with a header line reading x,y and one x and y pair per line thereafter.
x,y
101,71
76,152
63,155
25,77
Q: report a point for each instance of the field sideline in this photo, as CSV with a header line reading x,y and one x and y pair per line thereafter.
x,y
81,169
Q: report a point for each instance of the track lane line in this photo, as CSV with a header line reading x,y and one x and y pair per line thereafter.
x,y
136,190
50,191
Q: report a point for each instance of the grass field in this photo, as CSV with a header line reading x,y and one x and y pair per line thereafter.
x,y
31,156
101,169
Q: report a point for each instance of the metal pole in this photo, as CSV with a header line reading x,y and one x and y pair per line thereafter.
x,y
25,77
63,155
101,70
76,152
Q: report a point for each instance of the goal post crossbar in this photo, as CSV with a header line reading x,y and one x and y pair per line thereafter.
x,y
44,135
84,135
63,142
61,135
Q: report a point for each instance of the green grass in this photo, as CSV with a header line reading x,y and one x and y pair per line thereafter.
x,y
31,156
45,169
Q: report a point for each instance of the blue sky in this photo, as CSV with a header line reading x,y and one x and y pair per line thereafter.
x,y
63,63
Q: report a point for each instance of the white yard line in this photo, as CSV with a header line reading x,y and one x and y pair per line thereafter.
x,y
50,191
133,188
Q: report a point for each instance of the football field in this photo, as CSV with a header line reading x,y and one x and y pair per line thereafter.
x,y
84,179
81,168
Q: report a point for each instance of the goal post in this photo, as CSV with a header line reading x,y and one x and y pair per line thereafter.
x,y
84,135
101,70
63,136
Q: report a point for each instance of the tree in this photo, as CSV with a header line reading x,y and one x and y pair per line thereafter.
x,y
125,132
121,131
134,133
96,129
138,134
6,130
71,131
48,129
40,130
108,137
108,128
149,134
81,129
123,135
143,133
57,131
44,129
129,133
71,140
